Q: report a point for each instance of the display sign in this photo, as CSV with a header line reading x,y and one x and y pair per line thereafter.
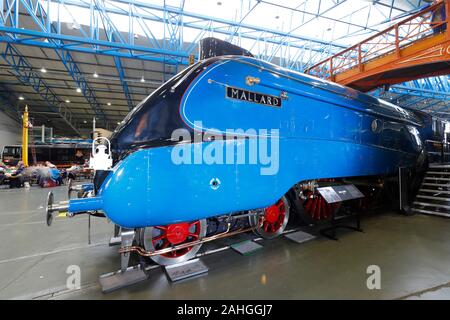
x,y
333,194
250,96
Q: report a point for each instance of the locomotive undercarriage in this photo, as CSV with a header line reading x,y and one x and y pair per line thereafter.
x,y
176,243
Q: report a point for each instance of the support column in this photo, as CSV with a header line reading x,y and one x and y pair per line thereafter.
x,y
25,137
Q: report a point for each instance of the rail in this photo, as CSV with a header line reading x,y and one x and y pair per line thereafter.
x,y
425,23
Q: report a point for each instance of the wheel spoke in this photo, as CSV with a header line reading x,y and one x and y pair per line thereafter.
x,y
273,221
195,223
314,207
170,236
194,235
309,203
322,212
165,244
158,238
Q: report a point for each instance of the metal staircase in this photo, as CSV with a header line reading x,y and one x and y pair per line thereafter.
x,y
434,193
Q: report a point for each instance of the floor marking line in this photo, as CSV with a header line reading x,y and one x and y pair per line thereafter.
x,y
36,222
14,213
419,293
53,252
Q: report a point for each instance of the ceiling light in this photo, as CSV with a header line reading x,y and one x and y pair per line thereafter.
x,y
21,98
74,26
109,103
67,101
78,90
118,122
142,79
219,3
95,75
43,70
277,17
84,121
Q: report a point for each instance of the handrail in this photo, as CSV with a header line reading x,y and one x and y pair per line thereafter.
x,y
381,44
437,141
443,151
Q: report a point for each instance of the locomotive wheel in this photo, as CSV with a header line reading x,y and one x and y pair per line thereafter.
x,y
312,208
161,237
274,219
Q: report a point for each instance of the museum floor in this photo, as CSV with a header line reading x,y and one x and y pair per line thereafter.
x,y
413,254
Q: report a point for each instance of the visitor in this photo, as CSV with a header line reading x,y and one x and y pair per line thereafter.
x,y
49,164
56,176
16,178
2,172
437,17
79,157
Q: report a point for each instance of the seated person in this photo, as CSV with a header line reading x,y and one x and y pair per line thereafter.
x,y
73,171
56,176
49,164
16,178
2,172
49,176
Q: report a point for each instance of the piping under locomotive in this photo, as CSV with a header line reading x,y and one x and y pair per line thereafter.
x,y
312,129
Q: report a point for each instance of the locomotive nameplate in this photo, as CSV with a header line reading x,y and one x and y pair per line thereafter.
x,y
255,97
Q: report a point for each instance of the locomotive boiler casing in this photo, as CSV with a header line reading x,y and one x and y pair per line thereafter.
x,y
318,130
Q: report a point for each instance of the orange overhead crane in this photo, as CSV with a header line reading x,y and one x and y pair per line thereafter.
x,y
416,47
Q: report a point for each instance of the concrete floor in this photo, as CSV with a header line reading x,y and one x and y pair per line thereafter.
x,y
412,252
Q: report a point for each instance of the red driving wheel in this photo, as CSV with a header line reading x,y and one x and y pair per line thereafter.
x,y
169,236
274,217
272,220
174,234
316,207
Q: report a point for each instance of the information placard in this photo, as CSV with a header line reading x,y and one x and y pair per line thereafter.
x,y
333,194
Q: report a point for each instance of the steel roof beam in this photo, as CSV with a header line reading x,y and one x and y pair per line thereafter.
x,y
25,74
40,16
93,44
199,17
432,94
98,11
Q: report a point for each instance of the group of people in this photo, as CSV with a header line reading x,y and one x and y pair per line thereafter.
x,y
45,175
15,178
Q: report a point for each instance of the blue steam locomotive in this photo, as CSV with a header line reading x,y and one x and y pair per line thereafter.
x,y
234,138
